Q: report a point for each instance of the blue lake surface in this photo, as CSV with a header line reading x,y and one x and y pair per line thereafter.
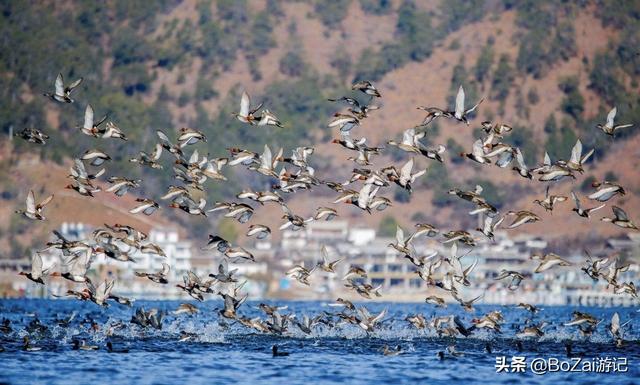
x,y
227,352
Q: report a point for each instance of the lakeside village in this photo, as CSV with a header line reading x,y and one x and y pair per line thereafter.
x,y
357,246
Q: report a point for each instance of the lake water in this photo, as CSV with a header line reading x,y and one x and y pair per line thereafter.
x,y
230,353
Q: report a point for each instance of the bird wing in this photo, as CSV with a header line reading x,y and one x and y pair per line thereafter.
x,y
576,152
470,268
325,255
256,108
408,136
245,103
139,208
576,200
505,159
418,174
59,85
366,194
286,209
109,287
223,267
379,316
547,159
79,169
80,264
163,137
455,261
620,213
611,116
405,172
470,110
88,117
99,122
96,289
31,202
36,265
74,85
165,269
274,163
503,274
487,225
520,159
266,157
194,157
587,156
459,111
615,323
477,298
478,149
498,223
45,201
399,236
155,155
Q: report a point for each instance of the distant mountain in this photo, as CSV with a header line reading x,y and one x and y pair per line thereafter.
x,y
550,69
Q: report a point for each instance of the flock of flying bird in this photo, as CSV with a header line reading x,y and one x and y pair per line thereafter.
x,y
294,174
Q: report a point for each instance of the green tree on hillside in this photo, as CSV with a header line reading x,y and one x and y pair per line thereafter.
x,y
387,226
484,62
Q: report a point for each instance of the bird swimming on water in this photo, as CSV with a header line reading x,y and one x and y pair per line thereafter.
x,y
275,352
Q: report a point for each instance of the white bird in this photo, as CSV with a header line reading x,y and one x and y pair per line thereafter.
x,y
402,244
605,191
267,118
521,167
37,272
490,226
246,114
367,321
325,265
579,210
34,211
62,94
91,127
150,160
610,127
99,294
95,157
460,113
577,160
620,219
344,122
550,260
122,185
113,131
406,177
522,217
268,163
145,206
477,153
260,231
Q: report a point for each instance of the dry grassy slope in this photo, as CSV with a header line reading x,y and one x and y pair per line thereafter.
x,y
358,31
